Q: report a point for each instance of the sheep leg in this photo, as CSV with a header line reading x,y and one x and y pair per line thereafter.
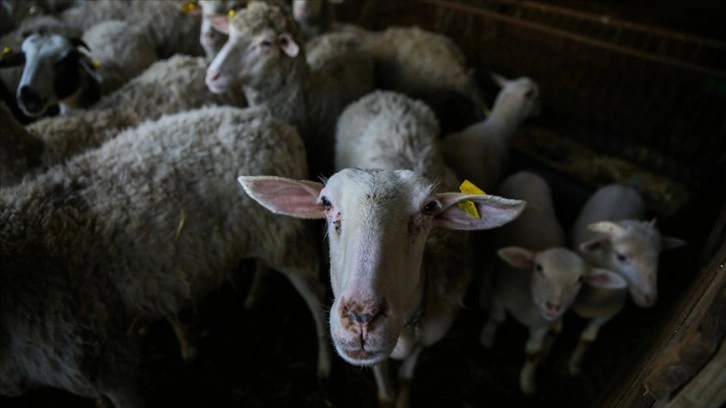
x,y
586,338
258,284
552,335
496,317
186,343
386,396
405,375
312,291
533,353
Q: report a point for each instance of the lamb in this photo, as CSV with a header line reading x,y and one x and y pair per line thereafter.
x,y
398,281
535,241
141,227
420,63
166,87
609,233
480,152
265,57
57,70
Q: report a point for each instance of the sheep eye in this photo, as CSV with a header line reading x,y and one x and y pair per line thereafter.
x,y
580,279
430,207
325,202
621,257
539,268
266,43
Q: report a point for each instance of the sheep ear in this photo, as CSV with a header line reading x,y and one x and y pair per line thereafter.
x,y
668,242
296,198
605,279
220,22
517,257
592,245
500,80
288,45
12,59
606,227
492,211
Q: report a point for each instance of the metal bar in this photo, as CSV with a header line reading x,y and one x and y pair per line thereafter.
x,y
577,37
613,21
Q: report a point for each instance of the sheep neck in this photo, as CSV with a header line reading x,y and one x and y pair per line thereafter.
x,y
286,96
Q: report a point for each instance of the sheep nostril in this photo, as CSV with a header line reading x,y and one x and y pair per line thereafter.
x,y
213,75
30,99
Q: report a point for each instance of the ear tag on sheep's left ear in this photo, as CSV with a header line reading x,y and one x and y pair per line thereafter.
x,y
189,7
95,63
467,187
6,51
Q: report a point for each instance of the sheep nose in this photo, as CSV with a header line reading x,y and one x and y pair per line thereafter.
x,y
649,299
30,99
361,315
553,307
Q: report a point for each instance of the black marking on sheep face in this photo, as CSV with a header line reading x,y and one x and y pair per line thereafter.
x,y
67,78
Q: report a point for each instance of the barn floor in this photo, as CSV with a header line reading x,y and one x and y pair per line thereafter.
x,y
264,357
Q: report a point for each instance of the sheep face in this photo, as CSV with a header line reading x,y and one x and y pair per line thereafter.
x,y
557,277
377,225
519,98
631,248
52,71
260,39
211,39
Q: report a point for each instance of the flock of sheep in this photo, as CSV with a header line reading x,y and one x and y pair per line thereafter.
x,y
184,144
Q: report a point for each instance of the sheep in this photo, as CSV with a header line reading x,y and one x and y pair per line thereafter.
x,y
609,233
56,70
170,30
536,242
167,86
14,11
480,152
265,56
212,40
420,63
397,280
141,227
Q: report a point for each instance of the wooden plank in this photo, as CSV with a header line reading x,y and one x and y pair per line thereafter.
x,y
708,389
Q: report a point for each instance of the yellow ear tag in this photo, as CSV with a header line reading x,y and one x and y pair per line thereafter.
x,y
467,187
231,13
189,7
6,51
95,63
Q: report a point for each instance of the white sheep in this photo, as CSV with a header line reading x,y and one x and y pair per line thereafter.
x,y
13,12
420,63
57,69
480,152
141,227
609,232
264,55
167,86
537,298
397,280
